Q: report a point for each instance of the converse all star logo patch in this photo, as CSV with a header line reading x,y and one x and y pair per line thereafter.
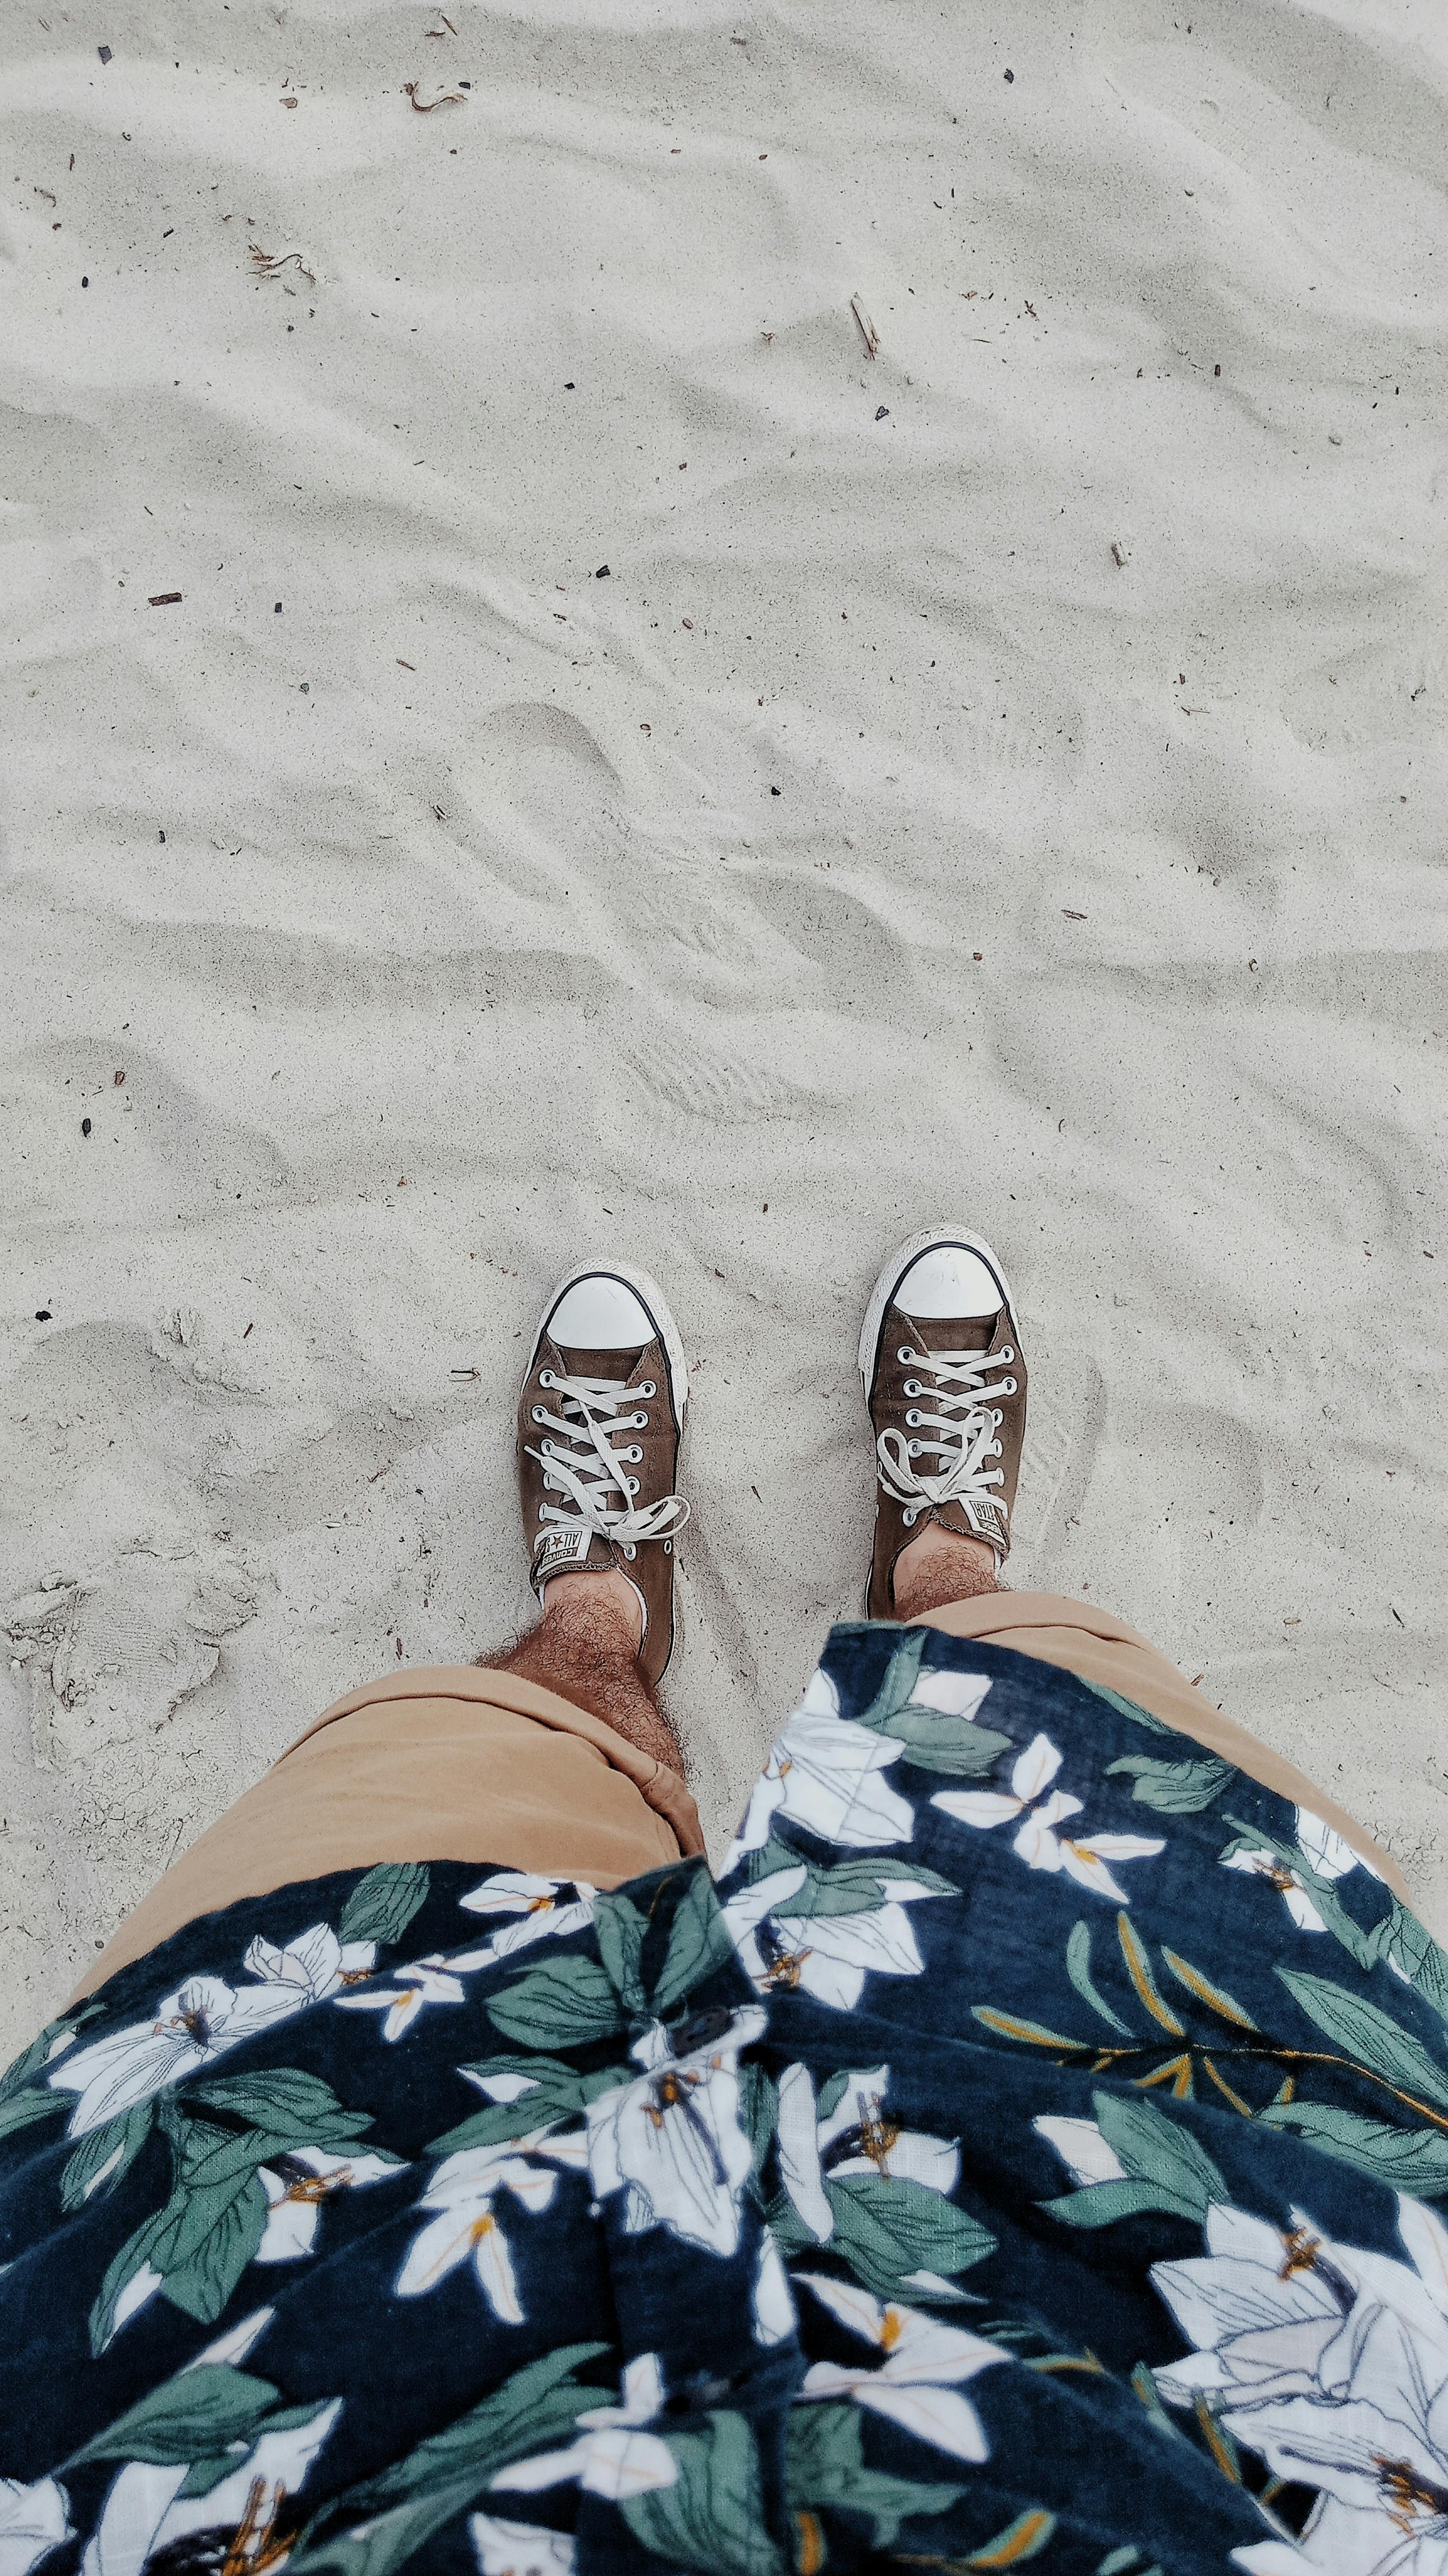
x,y
560,1551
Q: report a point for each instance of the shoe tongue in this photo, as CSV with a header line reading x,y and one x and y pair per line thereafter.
x,y
952,1333
616,1366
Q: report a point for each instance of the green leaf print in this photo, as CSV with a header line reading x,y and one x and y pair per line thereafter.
x,y
106,2154
1128,1708
1078,1969
712,2517
1369,2036
19,2109
200,2413
1412,2160
857,1886
214,2221
887,2228
282,2107
900,1677
33,2060
443,2475
825,2466
1166,2169
1411,1946
620,1930
564,2005
1174,1788
382,1904
1161,2150
934,1741
555,2092
700,1943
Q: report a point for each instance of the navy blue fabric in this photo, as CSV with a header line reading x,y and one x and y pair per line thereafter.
x,y
1025,2153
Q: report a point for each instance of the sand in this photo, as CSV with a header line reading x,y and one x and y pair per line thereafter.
x,y
998,779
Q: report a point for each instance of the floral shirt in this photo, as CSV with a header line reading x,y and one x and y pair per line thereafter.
x,y
1028,2151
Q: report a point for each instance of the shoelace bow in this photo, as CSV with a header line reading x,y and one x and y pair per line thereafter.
x,y
590,1417
964,1425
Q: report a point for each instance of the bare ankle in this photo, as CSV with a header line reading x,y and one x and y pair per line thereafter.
x,y
585,1648
606,1597
941,1566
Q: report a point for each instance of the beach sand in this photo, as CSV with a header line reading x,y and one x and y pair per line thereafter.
x,y
636,773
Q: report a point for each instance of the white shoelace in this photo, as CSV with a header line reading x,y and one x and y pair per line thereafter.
x,y
590,1417
964,1425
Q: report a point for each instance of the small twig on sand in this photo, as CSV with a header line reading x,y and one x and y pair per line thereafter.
x,y
425,106
868,332
265,266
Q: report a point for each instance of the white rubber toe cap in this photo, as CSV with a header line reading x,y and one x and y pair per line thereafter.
x,y
601,1313
949,1280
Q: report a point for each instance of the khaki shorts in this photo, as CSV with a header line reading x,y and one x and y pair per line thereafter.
x,y
451,1762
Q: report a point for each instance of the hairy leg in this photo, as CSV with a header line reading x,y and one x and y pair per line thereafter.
x,y
940,1566
586,1648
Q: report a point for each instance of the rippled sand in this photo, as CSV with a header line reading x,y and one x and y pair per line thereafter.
x,y
869,845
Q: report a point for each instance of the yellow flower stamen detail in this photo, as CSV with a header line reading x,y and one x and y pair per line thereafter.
x,y
892,2327
1303,2249
809,2556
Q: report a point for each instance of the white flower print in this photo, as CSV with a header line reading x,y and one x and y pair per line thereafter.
x,y
950,1694
673,2140
1082,2149
145,2512
611,2455
33,2521
464,2226
427,1981
1327,1855
917,2383
520,2548
774,2311
537,1906
828,1956
1037,1841
1332,2363
316,1963
193,2027
824,1771
296,2186
856,2137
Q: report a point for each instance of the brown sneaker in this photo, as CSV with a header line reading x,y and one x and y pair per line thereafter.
x,y
599,1419
941,1366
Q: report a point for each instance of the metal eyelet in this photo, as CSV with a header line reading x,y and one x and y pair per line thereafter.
x,y
909,1519
912,1448
1005,1357
912,1419
906,1358
648,1387
913,1386
1010,1387
545,1377
542,1511
538,1413
630,1551
631,1484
